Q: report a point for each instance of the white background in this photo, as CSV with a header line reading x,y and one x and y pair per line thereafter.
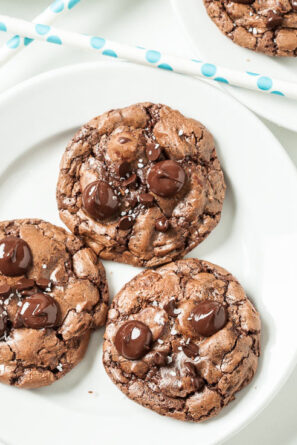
x,y
150,23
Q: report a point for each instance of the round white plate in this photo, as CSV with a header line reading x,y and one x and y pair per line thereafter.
x,y
256,240
213,46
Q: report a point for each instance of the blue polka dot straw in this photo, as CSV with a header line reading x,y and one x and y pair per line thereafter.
x,y
16,43
154,58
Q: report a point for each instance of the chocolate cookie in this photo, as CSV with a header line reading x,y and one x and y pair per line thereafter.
x,y
142,185
267,26
53,292
182,339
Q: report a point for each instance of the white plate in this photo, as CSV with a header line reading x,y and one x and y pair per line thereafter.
x,y
256,240
211,45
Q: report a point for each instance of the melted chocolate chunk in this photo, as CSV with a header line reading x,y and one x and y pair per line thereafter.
x,y
130,181
15,256
124,168
133,340
166,178
153,152
162,224
208,318
192,372
170,307
38,311
146,199
99,200
190,350
126,222
274,19
29,292
24,284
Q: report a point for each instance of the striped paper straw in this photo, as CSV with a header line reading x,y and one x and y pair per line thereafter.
x,y
153,58
14,45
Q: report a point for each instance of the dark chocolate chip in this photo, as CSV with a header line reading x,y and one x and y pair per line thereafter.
x,y
15,256
123,169
190,350
208,318
29,292
126,222
146,199
162,224
38,311
133,340
169,308
153,152
25,283
130,181
192,372
166,178
274,19
99,200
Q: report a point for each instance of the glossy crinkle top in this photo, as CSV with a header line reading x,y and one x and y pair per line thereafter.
x,y
142,184
182,339
53,293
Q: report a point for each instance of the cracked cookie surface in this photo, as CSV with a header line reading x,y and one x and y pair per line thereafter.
x,y
267,26
182,339
142,185
53,293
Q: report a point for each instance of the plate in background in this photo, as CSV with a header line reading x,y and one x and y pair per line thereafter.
x,y
213,46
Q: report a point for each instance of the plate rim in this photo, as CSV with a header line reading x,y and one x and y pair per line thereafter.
x,y
175,4
35,81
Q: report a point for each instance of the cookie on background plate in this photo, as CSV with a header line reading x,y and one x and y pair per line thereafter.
x,y
267,26
182,339
142,184
53,293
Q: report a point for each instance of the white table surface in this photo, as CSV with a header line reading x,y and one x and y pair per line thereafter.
x,y
149,23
